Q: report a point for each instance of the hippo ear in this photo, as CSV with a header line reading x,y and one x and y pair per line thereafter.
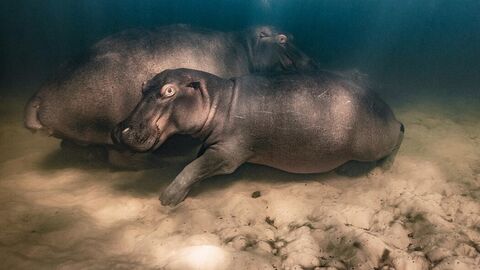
x,y
195,85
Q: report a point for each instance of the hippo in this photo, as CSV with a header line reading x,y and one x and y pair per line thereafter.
x,y
90,96
309,122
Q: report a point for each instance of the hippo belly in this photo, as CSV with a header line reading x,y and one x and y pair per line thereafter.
x,y
299,164
317,127
302,149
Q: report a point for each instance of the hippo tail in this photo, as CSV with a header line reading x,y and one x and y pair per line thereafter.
x,y
30,119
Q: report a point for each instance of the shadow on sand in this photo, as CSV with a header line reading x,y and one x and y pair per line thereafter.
x,y
151,180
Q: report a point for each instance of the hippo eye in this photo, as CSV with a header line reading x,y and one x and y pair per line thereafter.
x,y
168,90
282,39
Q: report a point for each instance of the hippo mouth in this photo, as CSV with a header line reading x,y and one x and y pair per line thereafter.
x,y
286,60
152,143
156,142
136,141
123,137
160,137
287,63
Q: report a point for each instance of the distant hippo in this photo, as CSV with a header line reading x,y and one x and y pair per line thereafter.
x,y
300,123
91,96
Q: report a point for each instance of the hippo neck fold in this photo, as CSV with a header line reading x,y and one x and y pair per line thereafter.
x,y
220,96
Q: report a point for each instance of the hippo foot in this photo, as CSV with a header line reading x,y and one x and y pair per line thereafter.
x,y
173,194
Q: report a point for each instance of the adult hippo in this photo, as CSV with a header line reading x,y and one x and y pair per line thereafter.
x,y
300,123
91,96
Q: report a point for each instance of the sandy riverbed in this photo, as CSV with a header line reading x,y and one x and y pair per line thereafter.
x,y
60,213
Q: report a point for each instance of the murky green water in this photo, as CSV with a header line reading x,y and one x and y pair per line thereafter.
x,y
61,212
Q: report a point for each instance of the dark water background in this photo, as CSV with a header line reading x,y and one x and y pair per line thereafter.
x,y
58,211
430,43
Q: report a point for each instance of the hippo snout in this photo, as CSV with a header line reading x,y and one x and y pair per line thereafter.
x,y
137,139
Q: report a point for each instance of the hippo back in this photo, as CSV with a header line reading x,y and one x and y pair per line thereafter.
x,y
90,96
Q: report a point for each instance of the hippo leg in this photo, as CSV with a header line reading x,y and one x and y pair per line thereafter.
x,y
214,161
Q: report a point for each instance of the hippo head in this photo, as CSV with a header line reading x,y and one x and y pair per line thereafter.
x,y
270,50
173,102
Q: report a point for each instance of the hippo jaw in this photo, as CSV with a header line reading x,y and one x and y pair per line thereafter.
x,y
295,60
141,135
121,136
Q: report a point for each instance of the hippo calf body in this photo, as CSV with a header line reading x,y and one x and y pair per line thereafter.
x,y
300,123
90,96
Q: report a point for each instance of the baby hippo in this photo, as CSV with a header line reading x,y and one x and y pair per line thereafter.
x,y
299,123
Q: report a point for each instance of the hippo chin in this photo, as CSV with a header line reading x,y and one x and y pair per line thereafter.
x,y
300,123
92,95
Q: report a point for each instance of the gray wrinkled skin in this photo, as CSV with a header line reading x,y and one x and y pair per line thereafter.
x,y
91,96
300,123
